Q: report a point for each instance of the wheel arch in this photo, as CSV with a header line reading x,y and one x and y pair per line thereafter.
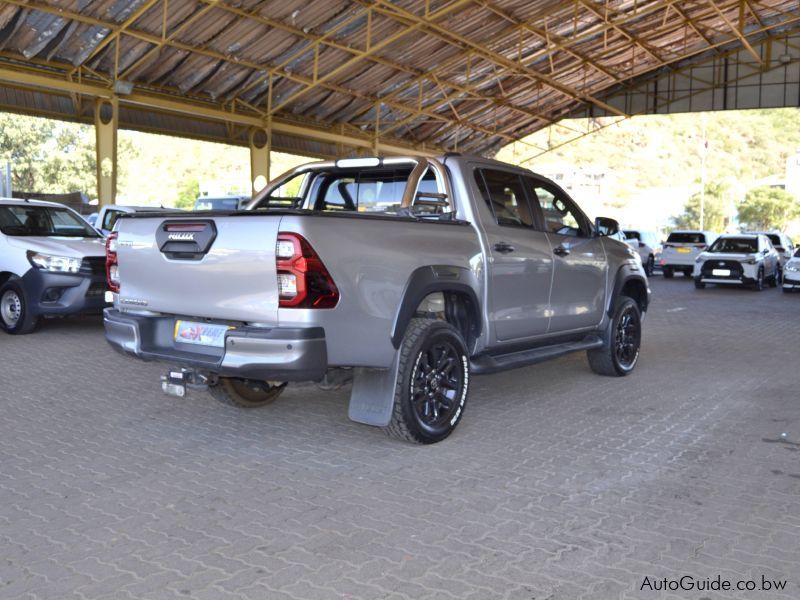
x,y
459,287
629,282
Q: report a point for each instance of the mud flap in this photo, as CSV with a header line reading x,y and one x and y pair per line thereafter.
x,y
372,398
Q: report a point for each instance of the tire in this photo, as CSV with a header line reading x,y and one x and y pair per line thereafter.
x,y
775,279
698,283
432,383
15,316
650,266
758,284
245,393
668,272
621,353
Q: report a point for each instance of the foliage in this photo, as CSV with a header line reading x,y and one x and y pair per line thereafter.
x,y
187,194
716,210
765,208
52,156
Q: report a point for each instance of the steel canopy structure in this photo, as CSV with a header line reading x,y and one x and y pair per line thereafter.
x,y
332,77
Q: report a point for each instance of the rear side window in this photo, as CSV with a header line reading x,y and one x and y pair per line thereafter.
x,y
109,219
686,238
505,197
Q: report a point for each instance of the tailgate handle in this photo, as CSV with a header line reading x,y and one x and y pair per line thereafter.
x,y
186,240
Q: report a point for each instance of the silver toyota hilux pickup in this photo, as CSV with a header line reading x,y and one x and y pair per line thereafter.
x,y
406,275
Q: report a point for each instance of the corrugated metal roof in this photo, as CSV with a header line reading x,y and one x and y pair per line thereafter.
x,y
451,74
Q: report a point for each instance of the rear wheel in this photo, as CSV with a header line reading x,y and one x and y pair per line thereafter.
x,y
432,382
698,283
15,315
775,279
246,393
621,352
668,272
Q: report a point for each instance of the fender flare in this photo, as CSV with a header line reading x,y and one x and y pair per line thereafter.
x,y
625,274
435,278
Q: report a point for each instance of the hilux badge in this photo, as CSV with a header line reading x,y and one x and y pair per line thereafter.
x,y
181,237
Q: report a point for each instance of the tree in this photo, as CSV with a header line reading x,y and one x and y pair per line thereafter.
x,y
53,156
188,192
716,215
765,208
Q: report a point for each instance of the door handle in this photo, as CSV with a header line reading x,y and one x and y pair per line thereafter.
x,y
503,247
560,251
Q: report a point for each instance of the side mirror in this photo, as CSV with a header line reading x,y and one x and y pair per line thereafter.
x,y
603,226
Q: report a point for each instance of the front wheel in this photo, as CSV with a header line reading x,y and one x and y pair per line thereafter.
x,y
668,272
775,279
650,266
245,393
698,283
15,314
758,284
619,355
432,382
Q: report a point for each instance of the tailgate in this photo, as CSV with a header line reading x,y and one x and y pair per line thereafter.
x,y
217,267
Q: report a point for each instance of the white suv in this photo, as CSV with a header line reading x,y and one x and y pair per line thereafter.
x,y
791,273
783,244
647,244
748,259
52,262
682,248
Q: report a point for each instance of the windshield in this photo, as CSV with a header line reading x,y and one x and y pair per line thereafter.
x,y
219,203
735,245
24,220
686,238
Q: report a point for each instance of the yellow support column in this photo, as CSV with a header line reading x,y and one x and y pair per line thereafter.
x,y
260,147
105,126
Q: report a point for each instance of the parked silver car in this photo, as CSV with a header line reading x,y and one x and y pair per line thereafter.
x,y
647,244
738,259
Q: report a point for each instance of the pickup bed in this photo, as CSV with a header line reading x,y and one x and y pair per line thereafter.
x,y
405,275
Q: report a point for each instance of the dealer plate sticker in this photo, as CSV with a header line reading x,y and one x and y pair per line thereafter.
x,y
201,334
721,272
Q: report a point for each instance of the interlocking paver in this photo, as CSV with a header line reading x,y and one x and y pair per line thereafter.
x,y
558,483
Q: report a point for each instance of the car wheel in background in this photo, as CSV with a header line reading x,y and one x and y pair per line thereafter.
x,y
698,283
668,272
758,284
650,266
687,273
15,316
246,393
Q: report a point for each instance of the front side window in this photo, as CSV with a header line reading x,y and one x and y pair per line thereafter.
x,y
505,197
21,220
560,215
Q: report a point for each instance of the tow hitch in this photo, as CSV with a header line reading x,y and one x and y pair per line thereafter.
x,y
176,381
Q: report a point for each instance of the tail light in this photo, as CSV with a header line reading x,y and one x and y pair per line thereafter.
x,y
112,269
303,280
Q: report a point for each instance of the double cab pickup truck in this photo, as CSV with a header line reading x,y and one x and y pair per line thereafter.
x,y
404,275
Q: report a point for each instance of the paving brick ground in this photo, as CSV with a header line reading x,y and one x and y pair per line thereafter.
x,y
558,484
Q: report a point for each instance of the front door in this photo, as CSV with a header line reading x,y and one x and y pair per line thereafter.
x,y
580,268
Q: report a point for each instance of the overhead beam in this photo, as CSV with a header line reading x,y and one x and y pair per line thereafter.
x,y
736,31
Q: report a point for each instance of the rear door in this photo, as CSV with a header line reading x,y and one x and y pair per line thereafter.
x,y
580,268
216,268
520,262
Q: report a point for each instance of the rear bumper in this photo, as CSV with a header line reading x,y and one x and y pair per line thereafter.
x,y
276,354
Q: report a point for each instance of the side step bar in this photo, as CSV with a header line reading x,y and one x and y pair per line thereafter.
x,y
487,363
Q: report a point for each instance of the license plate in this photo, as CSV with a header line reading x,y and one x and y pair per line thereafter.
x,y
684,250
200,334
721,272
